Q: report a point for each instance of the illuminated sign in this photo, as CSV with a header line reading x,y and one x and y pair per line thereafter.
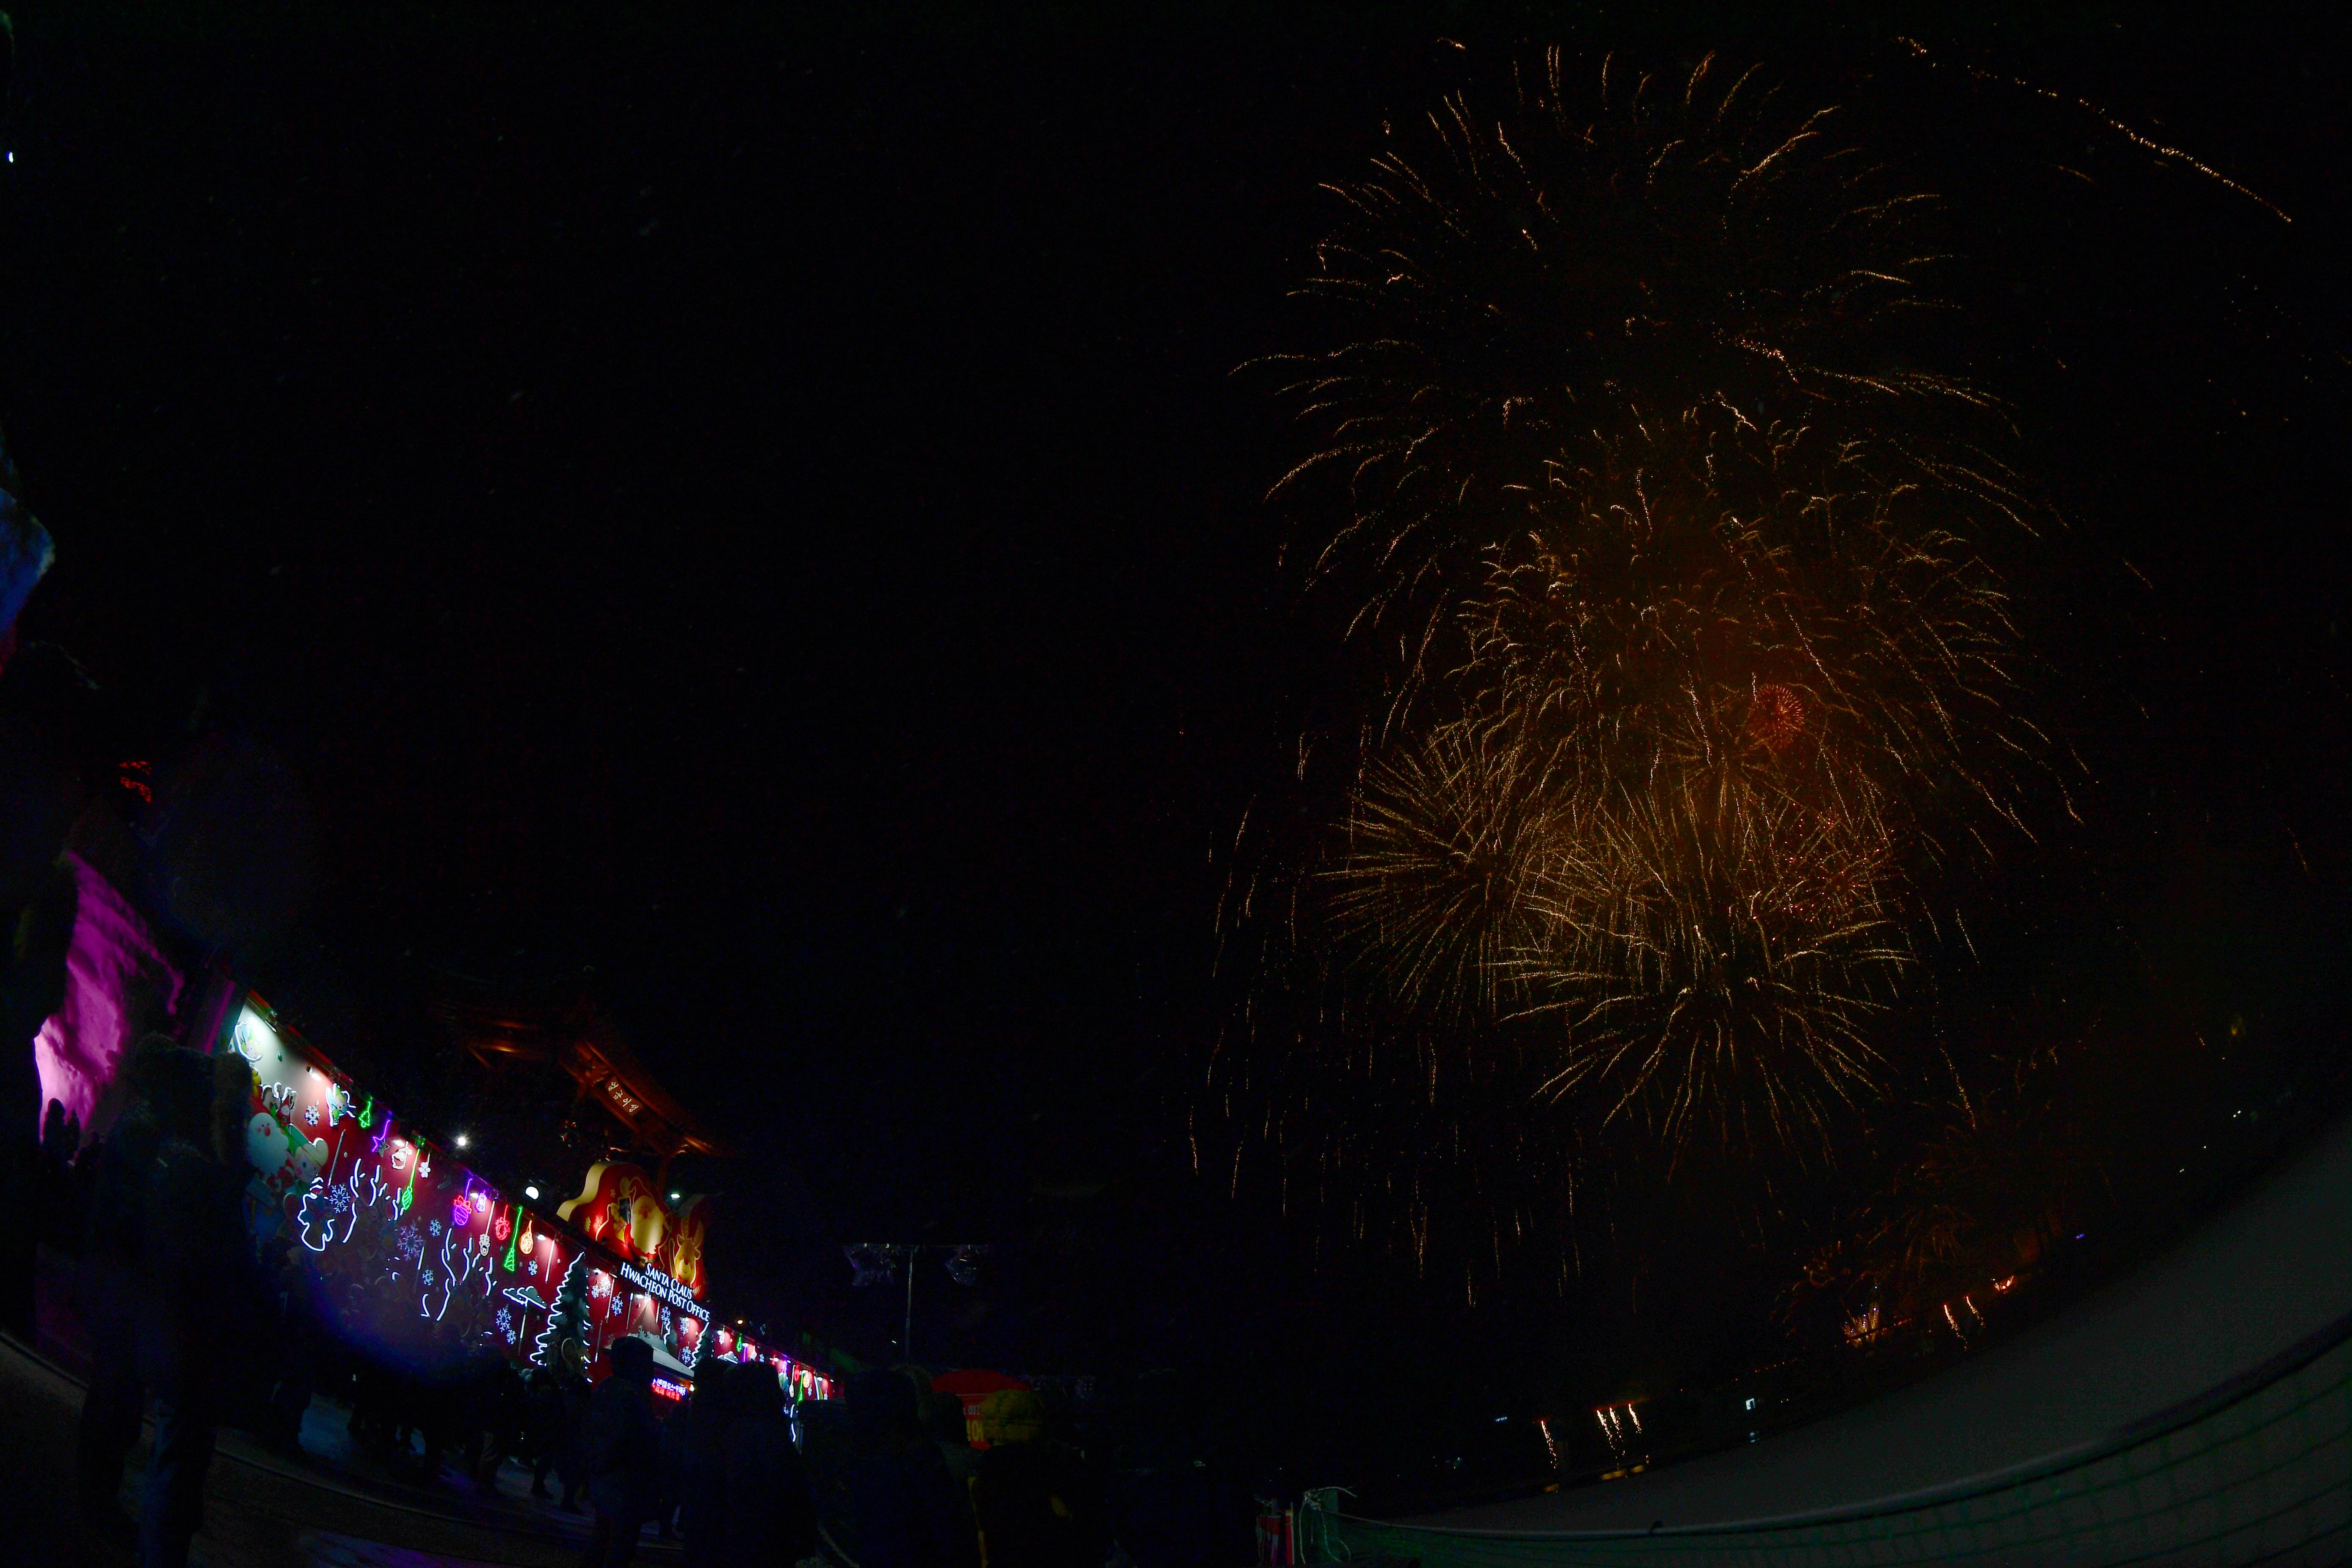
x,y
666,1288
628,1104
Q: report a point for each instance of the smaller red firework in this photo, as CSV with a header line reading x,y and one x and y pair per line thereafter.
x,y
1775,718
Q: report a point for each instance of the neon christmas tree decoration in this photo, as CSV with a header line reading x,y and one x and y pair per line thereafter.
x,y
568,1319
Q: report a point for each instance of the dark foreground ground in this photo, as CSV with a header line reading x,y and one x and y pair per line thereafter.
x,y
326,1510
2254,1281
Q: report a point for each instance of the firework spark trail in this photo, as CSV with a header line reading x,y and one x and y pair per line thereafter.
x,y
1712,561
1714,957
2139,139
1503,284
1702,707
1442,841
1682,914
1702,654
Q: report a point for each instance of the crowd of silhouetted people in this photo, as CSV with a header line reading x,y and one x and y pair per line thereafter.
x,y
168,1282
186,1316
885,1477
891,1464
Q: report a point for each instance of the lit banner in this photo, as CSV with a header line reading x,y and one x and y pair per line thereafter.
x,y
114,956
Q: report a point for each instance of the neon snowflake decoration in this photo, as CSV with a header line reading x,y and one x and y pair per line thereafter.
x,y
310,1115
433,1227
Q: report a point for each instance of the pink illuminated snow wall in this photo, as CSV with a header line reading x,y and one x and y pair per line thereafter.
x,y
80,1047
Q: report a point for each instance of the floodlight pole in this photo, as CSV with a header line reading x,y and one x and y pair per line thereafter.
x,y
907,1339
910,1252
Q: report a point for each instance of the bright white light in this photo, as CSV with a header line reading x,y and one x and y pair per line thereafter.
x,y
461,1140
530,1192
673,1197
253,1036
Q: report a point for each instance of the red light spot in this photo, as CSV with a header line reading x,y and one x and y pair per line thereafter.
x,y
1775,718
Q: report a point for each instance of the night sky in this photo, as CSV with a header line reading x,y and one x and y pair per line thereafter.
x,y
761,525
